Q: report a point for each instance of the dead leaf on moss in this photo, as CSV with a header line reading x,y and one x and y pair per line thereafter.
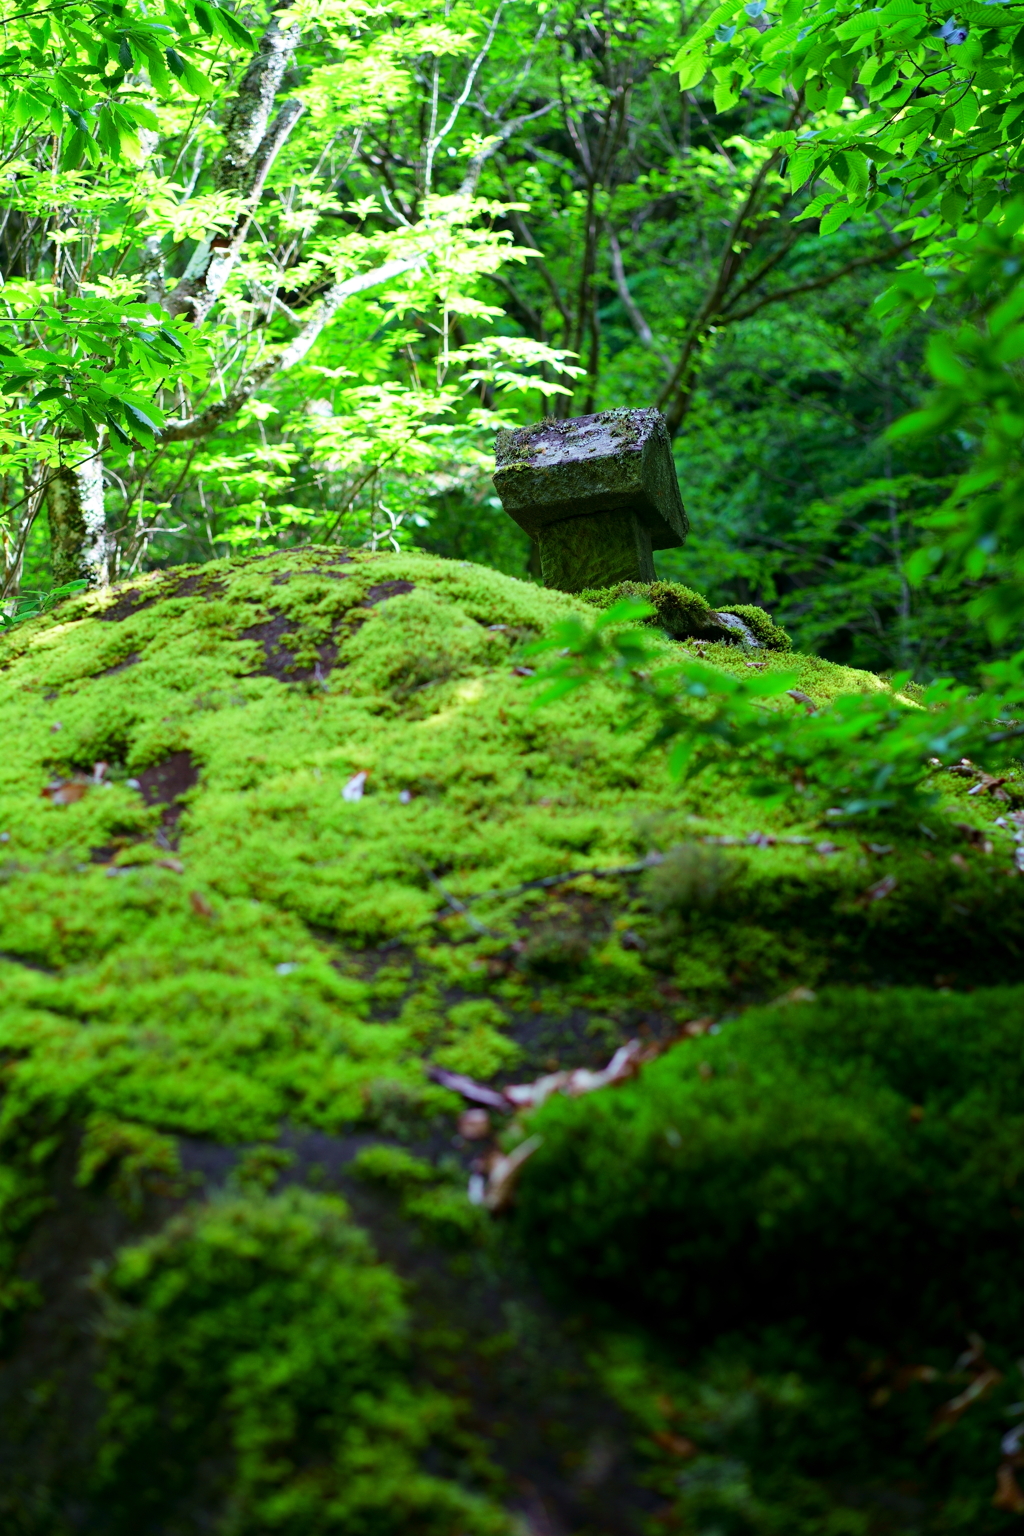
x,y
66,791
174,865
883,888
200,906
697,1027
959,861
353,790
624,1064
1008,1493
802,698
477,1093
503,1173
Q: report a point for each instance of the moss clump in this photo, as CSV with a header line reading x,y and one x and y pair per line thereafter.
x,y
882,1134
685,615
764,628
252,1361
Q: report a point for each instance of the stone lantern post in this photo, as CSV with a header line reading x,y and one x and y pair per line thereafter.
x,y
597,493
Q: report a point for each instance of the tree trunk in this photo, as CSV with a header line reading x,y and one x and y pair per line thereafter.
x,y
79,545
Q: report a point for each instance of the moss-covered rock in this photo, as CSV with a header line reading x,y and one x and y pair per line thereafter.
x,y
280,835
685,615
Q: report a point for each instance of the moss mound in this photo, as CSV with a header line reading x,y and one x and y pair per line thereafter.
x,y
881,1133
282,838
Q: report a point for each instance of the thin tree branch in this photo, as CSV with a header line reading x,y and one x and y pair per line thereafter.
x,y
825,281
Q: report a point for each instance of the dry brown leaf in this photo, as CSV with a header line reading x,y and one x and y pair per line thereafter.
x,y
504,1173
200,906
882,888
802,698
66,791
1008,1493
174,865
676,1445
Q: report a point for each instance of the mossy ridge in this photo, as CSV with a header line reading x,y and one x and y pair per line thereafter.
x,y
245,963
253,985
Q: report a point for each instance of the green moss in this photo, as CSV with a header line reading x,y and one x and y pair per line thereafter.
x,y
685,614
253,1367
767,633
141,1160
434,1198
881,1132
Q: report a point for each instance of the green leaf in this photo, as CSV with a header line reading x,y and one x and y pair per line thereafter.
x,y
119,432
692,70
232,29
139,418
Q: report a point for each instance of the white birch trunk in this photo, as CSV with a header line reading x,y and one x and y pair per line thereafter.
x,y
79,542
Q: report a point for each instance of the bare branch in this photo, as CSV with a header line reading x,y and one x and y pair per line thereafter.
x,y
825,281
292,353
633,310
250,149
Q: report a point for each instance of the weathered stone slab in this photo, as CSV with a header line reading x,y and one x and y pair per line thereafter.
x,y
598,493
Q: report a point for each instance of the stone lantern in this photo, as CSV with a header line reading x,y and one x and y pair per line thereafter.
x,y
597,493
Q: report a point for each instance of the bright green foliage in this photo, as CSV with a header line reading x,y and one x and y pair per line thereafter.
x,y
952,84
258,1340
871,752
976,368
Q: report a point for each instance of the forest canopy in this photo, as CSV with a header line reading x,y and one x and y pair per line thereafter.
x,y
273,277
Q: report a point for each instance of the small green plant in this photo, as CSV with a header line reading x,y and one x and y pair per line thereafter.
x,y
29,605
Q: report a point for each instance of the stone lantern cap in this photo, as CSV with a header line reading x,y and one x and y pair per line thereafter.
x,y
616,461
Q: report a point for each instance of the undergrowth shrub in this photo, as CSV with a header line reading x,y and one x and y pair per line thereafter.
x,y
255,1366
851,1164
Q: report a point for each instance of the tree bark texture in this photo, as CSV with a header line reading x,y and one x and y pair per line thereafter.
x,y
252,144
79,546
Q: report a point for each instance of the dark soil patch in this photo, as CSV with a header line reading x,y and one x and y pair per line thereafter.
x,y
129,661
133,601
384,590
163,784
280,660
